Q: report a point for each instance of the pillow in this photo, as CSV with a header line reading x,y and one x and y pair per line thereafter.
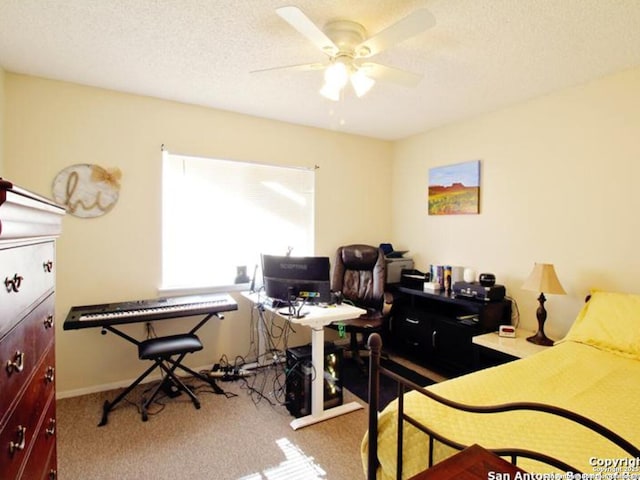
x,y
609,321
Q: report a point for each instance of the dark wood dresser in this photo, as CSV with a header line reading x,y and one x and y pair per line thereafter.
x,y
29,226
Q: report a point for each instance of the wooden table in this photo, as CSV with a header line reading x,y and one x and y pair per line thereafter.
x,y
472,463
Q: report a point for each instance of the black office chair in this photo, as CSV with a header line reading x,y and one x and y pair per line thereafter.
x,y
359,277
161,351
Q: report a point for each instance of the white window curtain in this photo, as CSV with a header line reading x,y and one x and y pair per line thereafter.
x,y
218,216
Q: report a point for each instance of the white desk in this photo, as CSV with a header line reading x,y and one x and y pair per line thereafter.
x,y
316,319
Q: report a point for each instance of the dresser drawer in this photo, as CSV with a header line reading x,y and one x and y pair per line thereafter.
x,y
27,273
20,430
39,462
20,351
50,471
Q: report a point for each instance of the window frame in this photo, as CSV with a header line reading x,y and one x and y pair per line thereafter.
x,y
166,285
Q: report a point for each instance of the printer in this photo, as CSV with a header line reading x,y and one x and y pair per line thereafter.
x,y
395,262
395,266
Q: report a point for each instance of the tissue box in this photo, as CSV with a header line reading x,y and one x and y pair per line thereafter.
x,y
432,287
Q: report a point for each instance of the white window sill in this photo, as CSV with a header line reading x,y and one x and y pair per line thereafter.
x,y
170,291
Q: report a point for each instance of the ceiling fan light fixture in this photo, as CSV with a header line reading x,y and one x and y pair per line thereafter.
x,y
336,75
361,83
330,92
363,51
345,42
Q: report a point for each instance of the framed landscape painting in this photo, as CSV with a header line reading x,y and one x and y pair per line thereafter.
x,y
455,189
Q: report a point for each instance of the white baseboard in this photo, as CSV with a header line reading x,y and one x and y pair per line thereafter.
x,y
111,386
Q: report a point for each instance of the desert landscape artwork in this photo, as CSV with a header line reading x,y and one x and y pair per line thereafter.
x,y
454,189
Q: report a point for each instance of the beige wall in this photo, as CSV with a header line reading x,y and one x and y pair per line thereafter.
x,y
559,177
51,125
2,75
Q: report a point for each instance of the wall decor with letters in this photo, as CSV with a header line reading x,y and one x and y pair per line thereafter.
x,y
87,190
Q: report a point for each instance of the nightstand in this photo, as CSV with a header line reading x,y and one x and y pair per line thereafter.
x,y
490,349
471,463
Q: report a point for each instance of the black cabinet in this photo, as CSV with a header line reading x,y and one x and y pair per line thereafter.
x,y
426,327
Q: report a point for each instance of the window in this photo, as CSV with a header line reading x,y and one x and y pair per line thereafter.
x,y
218,216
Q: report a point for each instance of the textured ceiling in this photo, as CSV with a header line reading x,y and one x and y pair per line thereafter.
x,y
480,56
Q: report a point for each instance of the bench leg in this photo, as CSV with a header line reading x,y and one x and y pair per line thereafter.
x,y
170,375
204,378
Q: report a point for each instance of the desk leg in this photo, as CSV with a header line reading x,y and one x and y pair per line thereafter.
x,y
262,360
318,413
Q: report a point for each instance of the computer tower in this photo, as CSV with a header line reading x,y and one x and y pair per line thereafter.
x,y
300,372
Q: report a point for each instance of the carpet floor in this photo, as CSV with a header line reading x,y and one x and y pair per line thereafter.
x,y
246,436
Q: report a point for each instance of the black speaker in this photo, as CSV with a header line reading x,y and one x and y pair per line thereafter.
x,y
300,373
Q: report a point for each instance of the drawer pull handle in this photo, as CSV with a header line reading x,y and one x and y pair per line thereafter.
x,y
48,266
53,474
48,322
411,320
433,338
21,437
17,364
13,284
51,430
49,376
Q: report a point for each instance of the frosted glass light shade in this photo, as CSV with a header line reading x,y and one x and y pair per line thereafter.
x,y
330,92
361,83
336,75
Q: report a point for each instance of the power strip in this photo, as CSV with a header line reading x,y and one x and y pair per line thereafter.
x,y
230,373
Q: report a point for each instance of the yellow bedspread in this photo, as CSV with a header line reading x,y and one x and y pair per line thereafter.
x,y
600,385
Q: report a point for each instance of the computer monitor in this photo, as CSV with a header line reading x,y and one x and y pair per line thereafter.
x,y
288,278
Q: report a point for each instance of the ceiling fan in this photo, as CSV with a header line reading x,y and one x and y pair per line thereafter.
x,y
348,47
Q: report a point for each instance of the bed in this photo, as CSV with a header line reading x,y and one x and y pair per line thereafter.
x,y
574,407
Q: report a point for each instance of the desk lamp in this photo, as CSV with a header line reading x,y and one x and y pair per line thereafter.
x,y
542,279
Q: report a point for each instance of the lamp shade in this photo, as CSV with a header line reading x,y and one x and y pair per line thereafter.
x,y
339,73
336,75
361,83
330,92
543,279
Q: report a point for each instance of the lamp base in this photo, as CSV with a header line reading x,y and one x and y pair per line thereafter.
x,y
540,339
541,314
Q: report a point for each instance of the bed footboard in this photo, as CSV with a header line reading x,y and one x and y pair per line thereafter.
x,y
404,385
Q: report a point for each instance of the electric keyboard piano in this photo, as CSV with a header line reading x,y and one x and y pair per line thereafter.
x,y
108,314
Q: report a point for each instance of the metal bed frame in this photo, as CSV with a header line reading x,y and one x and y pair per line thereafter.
x,y
404,385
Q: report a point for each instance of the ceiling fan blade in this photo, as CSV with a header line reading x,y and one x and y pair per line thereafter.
x,y
306,67
390,74
411,25
298,20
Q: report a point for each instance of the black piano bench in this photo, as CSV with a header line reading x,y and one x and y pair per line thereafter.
x,y
161,350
